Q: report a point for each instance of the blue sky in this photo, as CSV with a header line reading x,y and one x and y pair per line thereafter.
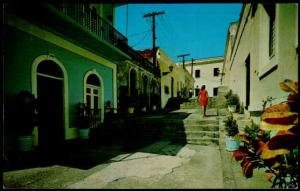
x,y
196,29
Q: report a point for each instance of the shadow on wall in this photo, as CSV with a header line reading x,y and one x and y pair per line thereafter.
x,y
174,103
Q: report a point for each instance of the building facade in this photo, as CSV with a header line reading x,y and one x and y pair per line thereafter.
x,y
206,72
175,81
261,51
64,54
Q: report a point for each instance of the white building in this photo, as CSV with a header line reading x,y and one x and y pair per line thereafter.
x,y
262,51
206,72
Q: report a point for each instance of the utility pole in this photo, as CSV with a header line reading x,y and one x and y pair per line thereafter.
x,y
183,55
192,67
153,14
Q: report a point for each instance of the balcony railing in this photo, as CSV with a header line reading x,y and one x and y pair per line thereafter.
x,y
89,19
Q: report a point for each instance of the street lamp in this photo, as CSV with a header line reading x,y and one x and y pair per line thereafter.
x,y
170,70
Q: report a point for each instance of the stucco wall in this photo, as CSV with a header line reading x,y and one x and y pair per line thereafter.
x,y
20,51
253,40
207,77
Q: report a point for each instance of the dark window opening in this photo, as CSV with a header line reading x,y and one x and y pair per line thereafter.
x,y
93,80
216,71
197,73
166,90
50,68
215,91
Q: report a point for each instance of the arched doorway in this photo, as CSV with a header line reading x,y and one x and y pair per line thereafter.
x,y
50,90
145,91
132,83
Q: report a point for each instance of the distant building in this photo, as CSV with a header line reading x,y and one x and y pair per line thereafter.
x,y
261,51
175,81
206,72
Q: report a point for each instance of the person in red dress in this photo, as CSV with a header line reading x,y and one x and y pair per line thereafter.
x,y
203,99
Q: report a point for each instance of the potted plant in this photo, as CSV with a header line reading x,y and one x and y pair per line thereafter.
x,y
277,154
231,128
131,104
232,101
143,102
154,101
82,120
26,113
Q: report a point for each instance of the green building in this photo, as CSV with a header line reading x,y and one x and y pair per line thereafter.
x,y
64,54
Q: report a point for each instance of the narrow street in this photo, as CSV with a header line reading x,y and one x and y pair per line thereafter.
x,y
163,163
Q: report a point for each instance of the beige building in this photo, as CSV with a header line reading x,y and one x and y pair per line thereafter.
x,y
175,81
261,51
206,72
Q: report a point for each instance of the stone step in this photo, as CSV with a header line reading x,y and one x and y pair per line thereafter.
x,y
207,127
200,121
195,134
198,141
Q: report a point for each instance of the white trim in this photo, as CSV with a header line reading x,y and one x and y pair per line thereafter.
x,y
69,132
48,76
100,93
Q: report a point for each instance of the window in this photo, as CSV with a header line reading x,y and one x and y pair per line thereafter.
x,y
92,91
166,90
216,71
270,9
197,74
215,91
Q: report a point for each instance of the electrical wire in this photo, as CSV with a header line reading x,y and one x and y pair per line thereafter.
x,y
140,40
136,34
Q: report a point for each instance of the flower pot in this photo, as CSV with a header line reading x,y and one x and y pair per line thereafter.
x,y
154,107
232,108
130,110
232,144
84,133
25,143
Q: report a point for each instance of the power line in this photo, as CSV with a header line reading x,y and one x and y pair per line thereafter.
x,y
140,40
136,34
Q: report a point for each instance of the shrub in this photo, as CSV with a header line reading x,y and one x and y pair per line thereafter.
x,y
231,126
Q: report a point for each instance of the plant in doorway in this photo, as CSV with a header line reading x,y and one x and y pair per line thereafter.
x,y
82,120
232,131
131,104
232,101
27,118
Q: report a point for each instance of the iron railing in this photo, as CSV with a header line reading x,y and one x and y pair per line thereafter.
x,y
89,19
87,117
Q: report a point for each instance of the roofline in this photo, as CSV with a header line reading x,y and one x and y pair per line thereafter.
x,y
204,60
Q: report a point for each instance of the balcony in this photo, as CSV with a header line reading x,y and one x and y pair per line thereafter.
x,y
89,19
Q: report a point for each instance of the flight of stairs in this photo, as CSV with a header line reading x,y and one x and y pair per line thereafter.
x,y
194,104
197,131
178,128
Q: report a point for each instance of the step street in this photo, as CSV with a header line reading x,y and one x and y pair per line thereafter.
x,y
191,156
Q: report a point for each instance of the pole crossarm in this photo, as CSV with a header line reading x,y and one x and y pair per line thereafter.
x,y
153,14
183,55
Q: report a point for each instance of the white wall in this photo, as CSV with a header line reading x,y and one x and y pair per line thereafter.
x,y
254,41
207,77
